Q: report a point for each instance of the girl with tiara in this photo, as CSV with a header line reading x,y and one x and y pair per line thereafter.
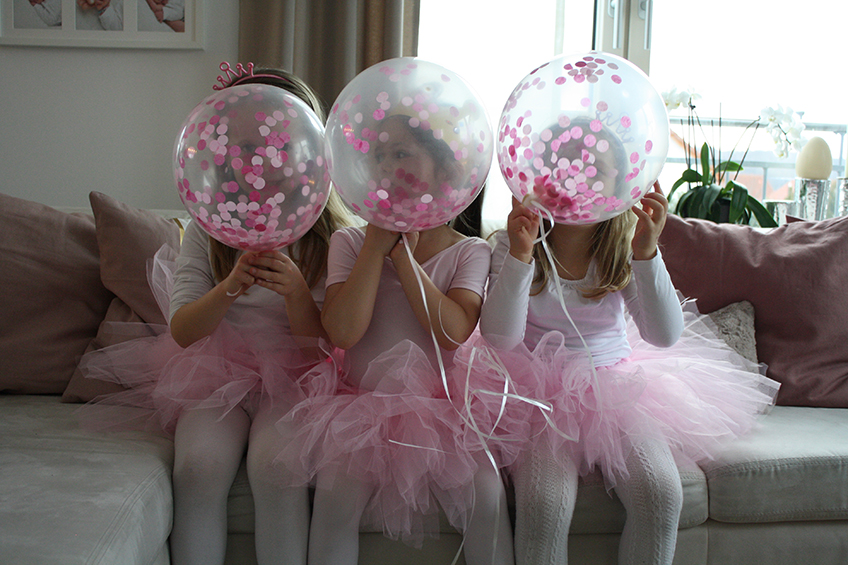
x,y
243,328
630,379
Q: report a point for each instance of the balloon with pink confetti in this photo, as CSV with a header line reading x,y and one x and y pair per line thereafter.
x,y
583,137
408,145
250,169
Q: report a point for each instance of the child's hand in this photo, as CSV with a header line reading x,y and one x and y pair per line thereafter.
x,y
380,240
240,279
651,220
522,226
276,271
398,252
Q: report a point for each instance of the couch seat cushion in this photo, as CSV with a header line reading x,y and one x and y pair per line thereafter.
x,y
69,495
793,467
598,512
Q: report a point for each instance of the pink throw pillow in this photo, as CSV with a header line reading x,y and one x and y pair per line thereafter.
x,y
53,299
127,238
796,276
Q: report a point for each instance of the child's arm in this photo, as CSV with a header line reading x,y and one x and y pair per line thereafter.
x,y
198,319
653,302
503,320
276,271
349,305
454,314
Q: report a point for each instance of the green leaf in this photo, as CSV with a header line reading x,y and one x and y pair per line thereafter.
x,y
729,166
705,164
765,219
689,176
683,204
738,202
711,194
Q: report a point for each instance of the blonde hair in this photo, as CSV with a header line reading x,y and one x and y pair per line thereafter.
x,y
309,253
610,250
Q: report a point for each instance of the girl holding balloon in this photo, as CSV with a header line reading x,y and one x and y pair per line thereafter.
x,y
244,300
382,439
585,318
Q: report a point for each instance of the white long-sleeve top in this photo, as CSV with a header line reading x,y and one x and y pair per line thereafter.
x,y
511,315
257,308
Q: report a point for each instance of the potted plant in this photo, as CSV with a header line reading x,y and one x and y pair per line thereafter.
x,y
713,190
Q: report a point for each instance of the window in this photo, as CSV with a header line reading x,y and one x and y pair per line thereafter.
x,y
493,45
741,56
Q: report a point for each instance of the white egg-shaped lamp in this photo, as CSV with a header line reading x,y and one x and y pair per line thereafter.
x,y
812,187
815,160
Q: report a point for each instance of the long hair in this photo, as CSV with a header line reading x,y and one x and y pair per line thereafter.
x,y
309,253
610,249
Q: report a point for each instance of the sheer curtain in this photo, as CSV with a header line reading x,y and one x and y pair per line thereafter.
x,y
327,42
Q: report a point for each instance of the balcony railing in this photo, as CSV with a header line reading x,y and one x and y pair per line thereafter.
x,y
839,130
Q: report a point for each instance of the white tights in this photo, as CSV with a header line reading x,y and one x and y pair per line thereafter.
x,y
208,451
340,501
545,490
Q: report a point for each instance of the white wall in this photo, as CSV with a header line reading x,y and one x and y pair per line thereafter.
x,y
74,120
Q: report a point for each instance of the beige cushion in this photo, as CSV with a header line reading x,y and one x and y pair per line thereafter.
x,y
71,496
792,467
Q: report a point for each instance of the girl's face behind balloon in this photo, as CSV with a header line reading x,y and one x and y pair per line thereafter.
x,y
402,162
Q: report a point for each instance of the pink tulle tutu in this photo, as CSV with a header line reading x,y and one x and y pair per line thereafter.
x,y
409,440
694,396
233,366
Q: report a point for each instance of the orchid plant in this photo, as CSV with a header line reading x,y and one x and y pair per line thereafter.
x,y
712,194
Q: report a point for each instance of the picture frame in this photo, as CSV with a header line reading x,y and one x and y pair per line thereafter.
x,y
153,24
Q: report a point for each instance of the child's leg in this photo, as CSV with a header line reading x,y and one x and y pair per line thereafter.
x,y
282,511
652,497
207,454
336,512
488,536
545,491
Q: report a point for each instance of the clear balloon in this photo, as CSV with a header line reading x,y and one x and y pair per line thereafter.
x,y
408,145
583,137
250,169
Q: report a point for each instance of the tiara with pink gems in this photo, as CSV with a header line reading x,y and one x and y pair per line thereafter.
x,y
234,76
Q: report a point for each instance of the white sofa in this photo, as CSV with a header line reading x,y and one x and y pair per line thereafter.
x,y
69,495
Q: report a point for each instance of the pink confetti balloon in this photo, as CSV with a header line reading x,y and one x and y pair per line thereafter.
x,y
249,167
408,145
583,137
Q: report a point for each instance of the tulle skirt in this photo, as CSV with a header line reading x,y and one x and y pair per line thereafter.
x,y
693,396
410,441
233,366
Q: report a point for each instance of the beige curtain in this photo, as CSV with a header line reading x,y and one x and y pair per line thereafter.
x,y
326,42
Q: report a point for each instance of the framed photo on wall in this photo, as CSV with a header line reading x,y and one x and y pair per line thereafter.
x,y
159,24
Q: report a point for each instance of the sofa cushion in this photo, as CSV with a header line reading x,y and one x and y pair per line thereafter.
x,y
81,389
127,238
53,300
597,511
68,495
793,467
795,276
